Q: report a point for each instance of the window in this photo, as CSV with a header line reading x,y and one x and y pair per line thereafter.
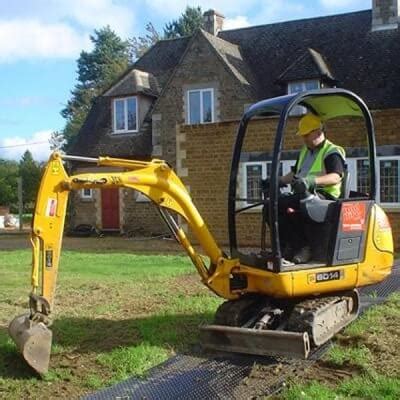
x,y
86,193
254,171
388,176
141,198
200,106
389,180
125,115
253,182
301,86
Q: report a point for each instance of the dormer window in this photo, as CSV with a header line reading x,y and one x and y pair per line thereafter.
x,y
301,86
125,112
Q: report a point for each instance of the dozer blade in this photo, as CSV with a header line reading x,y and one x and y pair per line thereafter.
x,y
33,340
255,341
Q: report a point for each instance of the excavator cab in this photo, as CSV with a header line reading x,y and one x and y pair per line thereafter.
x,y
336,228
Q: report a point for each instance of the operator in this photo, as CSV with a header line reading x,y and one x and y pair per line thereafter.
x,y
319,169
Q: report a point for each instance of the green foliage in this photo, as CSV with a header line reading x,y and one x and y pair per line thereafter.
x,y
312,391
97,69
359,356
363,387
8,182
30,172
186,24
135,360
139,45
56,141
371,388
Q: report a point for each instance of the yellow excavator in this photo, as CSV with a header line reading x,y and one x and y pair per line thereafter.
x,y
272,307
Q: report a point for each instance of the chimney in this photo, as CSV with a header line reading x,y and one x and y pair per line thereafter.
x,y
385,14
213,22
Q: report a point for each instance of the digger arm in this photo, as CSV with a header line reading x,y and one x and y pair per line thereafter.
x,y
155,179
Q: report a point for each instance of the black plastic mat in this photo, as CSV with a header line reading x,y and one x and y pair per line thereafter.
x,y
191,377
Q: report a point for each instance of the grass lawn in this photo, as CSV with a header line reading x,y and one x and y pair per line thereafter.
x,y
364,362
116,315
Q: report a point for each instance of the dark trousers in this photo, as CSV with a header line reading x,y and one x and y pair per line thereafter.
x,y
291,222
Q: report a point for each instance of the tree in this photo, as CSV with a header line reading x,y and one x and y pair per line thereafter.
x,y
186,25
8,182
97,69
56,141
30,172
139,45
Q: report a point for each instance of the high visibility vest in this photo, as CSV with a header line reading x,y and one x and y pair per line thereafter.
x,y
317,167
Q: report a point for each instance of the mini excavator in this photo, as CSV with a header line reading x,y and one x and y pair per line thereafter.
x,y
271,307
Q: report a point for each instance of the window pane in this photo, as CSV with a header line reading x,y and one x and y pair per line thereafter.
x,y
85,193
207,111
295,87
311,85
194,107
363,183
132,114
253,182
119,115
389,172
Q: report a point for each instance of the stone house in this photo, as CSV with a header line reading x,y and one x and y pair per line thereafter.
x,y
181,101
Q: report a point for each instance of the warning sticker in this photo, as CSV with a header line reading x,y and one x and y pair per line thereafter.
x,y
51,207
55,168
353,216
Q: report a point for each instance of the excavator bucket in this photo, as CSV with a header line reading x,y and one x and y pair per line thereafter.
x,y
33,340
255,341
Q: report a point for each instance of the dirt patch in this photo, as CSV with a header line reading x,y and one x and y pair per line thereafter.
x,y
143,245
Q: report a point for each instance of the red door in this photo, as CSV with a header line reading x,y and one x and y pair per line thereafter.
x,y
110,208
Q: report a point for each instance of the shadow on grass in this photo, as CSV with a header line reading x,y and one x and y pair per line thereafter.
x,y
85,335
12,364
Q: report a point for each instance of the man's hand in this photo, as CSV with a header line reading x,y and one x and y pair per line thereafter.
x,y
301,185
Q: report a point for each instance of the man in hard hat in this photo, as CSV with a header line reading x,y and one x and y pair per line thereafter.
x,y
319,169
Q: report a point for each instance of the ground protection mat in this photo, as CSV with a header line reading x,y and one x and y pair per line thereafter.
x,y
194,377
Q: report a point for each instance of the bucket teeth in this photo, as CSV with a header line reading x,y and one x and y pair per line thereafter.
x,y
33,340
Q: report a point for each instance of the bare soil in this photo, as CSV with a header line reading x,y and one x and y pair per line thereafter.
x,y
115,243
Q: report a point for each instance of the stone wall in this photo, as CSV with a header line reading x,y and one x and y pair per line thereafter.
x,y
170,111
206,152
138,216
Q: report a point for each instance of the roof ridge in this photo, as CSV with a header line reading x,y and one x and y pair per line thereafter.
x,y
295,21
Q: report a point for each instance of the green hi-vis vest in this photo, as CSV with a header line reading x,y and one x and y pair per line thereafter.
x,y
317,166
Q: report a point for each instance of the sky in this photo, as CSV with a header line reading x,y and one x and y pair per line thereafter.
x,y
40,41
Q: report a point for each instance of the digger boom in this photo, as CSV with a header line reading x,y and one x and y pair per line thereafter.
x,y
156,180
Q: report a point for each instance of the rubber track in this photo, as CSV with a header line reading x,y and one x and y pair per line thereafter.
x,y
195,377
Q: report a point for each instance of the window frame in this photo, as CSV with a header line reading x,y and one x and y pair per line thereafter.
x,y
125,100
352,167
85,196
286,168
201,91
300,110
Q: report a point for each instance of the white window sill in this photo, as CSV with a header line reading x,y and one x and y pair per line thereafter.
x,y
123,132
390,208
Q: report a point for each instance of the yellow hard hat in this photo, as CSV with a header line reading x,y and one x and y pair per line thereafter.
x,y
309,123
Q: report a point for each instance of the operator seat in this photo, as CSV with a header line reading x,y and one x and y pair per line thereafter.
x,y
316,208
321,220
